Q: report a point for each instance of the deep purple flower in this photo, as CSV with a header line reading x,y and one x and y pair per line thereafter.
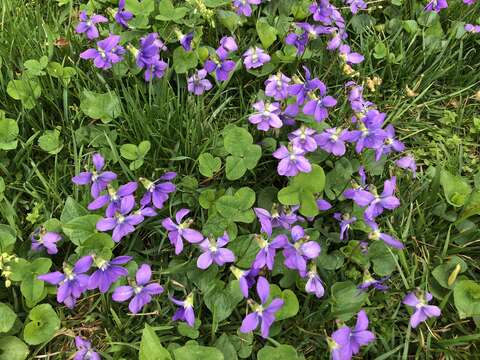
x,y
227,45
141,292
221,67
436,5
345,222
323,205
301,89
275,219
107,53
322,11
246,278
314,283
87,25
158,191
303,138
98,179
149,52
43,239
197,83
390,143
268,250
122,16
107,273
300,251
355,96
475,29
423,311
292,161
348,56
317,106
356,5
122,222
369,281
333,141
72,283
276,86
85,350
376,234
214,252
346,342
185,40
185,312
261,313
266,116
386,200
179,231
300,41
370,133
407,162
114,198
156,70
242,7
255,58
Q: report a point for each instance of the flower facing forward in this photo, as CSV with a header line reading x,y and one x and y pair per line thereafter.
x,y
158,191
87,25
85,350
177,232
292,160
255,58
141,290
107,53
43,239
262,314
107,273
423,311
301,250
214,252
98,178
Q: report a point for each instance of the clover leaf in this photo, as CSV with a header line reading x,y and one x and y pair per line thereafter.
x,y
8,132
237,208
244,154
135,153
209,165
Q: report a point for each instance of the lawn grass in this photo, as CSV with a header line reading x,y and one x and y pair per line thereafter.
x,y
437,124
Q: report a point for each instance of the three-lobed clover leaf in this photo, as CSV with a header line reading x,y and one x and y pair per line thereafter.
x,y
25,90
244,155
237,207
209,165
51,142
135,153
302,190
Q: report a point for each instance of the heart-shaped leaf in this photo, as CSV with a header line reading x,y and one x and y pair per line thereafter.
x,y
81,228
280,352
209,165
266,33
12,348
466,295
290,302
44,322
7,318
105,107
237,208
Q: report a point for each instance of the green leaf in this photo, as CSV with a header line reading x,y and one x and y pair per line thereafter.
x,y
7,238
12,348
105,107
266,33
222,301
197,352
472,205
167,12
44,322
81,228
383,260
228,350
7,318
65,74
150,346
8,133
244,155
237,207
410,26
188,331
281,352
32,288
380,51
466,295
209,165
27,91
290,302
35,67
443,272
184,60
207,198
302,190
71,210
346,300
229,19
50,142
455,188
236,139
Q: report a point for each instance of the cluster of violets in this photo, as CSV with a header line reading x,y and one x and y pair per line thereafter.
x,y
438,5
282,229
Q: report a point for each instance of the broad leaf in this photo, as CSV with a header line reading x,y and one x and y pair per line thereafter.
x,y
44,322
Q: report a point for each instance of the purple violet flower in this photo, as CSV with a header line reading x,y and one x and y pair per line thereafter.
x,y
157,192
370,133
317,106
407,162
87,25
113,198
255,58
266,116
85,351
303,138
98,179
377,203
356,5
149,52
221,67
333,141
302,89
390,143
268,250
122,222
292,160
300,251
107,53
348,56
141,292
43,239
179,231
300,41
345,222
346,342
423,311
387,239
107,273
276,86
369,281
265,315
185,40
322,11
246,278
197,84
72,282
227,45
122,16
475,29
242,7
214,252
436,5
323,205
185,312
314,283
